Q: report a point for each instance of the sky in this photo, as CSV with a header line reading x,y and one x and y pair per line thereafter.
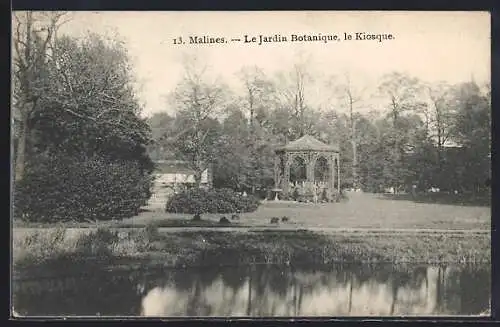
x,y
433,46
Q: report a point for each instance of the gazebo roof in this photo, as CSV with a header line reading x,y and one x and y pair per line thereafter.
x,y
308,143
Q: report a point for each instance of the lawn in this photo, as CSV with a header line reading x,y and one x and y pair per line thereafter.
x,y
360,211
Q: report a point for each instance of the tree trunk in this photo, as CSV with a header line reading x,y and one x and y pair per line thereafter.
x,y
252,114
439,164
197,178
353,144
21,150
394,298
199,167
249,300
349,308
354,165
439,290
439,146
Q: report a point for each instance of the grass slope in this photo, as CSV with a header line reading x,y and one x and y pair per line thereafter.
x,y
149,246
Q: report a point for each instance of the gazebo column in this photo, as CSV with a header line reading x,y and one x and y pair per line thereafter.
x,y
285,181
277,172
332,173
310,169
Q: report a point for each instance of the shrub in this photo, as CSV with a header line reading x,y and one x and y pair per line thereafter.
x,y
224,221
67,188
199,201
97,243
151,232
40,245
143,239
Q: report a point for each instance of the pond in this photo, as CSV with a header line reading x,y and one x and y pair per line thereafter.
x,y
260,291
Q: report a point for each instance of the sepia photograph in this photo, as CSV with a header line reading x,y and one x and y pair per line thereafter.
x,y
252,164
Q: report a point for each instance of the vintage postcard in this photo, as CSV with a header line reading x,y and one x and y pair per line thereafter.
x,y
251,164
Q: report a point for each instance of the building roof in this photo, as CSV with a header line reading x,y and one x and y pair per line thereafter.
x,y
308,143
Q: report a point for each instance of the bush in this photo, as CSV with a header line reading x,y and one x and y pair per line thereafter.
x,y
66,188
224,221
199,201
97,243
40,245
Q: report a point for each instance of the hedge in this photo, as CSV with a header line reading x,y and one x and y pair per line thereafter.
x,y
77,189
199,201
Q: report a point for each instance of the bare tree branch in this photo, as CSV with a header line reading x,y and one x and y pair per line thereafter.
x,y
74,113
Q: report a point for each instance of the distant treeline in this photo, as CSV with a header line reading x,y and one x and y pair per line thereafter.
x,y
428,135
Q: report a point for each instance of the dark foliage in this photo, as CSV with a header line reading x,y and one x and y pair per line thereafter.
x,y
61,188
198,201
224,220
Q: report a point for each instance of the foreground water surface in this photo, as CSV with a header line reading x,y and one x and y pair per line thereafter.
x,y
267,290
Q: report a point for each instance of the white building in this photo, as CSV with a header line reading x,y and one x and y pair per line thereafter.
x,y
172,176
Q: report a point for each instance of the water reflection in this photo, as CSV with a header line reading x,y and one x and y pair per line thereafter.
x,y
354,290
341,291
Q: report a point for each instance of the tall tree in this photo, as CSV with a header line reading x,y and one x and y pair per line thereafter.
x,y
259,96
402,92
92,102
441,118
293,94
233,166
33,34
351,99
259,91
371,153
472,130
161,124
88,144
197,101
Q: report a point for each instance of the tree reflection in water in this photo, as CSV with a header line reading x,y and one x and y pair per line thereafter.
x,y
337,290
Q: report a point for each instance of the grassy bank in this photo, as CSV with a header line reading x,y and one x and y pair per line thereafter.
x,y
148,246
184,221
